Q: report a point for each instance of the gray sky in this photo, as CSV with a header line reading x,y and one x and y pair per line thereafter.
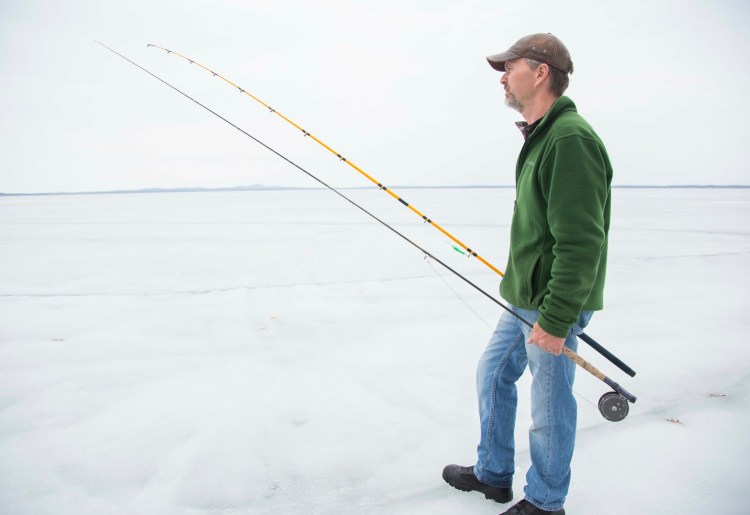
x,y
399,87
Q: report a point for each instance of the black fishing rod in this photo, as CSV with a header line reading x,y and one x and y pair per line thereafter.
x,y
612,405
586,338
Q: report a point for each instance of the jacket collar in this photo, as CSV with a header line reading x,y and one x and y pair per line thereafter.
x,y
560,106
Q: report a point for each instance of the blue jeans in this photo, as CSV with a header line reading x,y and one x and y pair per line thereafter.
x,y
553,410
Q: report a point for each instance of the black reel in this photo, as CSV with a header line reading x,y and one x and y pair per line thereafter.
x,y
613,406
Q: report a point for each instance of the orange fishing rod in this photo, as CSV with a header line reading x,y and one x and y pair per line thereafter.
x,y
341,158
586,338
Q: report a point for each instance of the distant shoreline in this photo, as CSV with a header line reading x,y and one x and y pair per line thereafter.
x,y
303,188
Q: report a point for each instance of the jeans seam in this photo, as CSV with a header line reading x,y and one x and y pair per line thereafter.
x,y
495,375
548,409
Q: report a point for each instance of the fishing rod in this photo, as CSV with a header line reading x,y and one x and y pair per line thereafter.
x,y
612,405
471,253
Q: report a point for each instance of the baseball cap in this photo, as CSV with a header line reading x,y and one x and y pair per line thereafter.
x,y
541,47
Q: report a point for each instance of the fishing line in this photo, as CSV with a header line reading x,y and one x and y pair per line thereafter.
x,y
494,330
620,392
471,253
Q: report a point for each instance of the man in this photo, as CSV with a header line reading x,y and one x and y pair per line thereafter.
x,y
554,279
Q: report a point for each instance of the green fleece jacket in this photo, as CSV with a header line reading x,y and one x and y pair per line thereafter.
x,y
558,240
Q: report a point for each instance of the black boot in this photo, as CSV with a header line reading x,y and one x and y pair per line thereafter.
x,y
463,478
526,508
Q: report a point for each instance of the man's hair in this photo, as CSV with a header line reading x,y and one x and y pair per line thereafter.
x,y
558,80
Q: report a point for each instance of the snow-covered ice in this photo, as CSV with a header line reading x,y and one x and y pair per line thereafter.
x,y
280,352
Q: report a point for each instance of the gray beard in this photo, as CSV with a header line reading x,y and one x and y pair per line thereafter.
x,y
513,103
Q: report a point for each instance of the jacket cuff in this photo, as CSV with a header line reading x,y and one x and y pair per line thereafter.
x,y
561,331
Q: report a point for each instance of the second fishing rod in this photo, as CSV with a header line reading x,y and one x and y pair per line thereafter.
x,y
470,252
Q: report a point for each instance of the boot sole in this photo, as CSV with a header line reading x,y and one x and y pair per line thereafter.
x,y
502,499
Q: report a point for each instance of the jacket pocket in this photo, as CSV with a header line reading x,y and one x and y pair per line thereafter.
x,y
532,281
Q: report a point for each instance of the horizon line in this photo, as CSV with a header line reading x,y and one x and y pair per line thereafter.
x,y
261,187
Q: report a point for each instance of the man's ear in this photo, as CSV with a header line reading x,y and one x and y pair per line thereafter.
x,y
542,71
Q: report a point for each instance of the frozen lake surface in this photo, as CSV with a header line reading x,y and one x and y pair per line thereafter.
x,y
279,352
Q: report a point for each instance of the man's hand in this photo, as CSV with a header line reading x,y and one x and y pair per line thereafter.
x,y
545,340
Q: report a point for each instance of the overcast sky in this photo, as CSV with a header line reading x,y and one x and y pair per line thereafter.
x,y
399,87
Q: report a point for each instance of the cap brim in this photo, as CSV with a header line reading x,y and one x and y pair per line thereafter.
x,y
498,61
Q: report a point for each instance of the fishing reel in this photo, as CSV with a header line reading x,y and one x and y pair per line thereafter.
x,y
613,406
